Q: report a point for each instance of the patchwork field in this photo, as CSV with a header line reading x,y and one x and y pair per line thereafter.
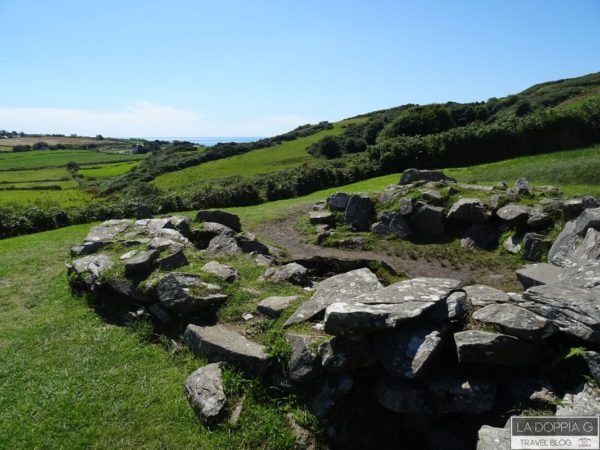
x,y
8,143
58,158
271,159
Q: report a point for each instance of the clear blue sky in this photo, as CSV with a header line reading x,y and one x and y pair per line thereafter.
x,y
182,67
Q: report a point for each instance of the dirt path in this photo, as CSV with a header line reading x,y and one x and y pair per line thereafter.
x,y
284,234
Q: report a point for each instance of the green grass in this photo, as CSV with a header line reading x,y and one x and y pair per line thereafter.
x,y
68,379
17,176
107,170
271,159
63,198
575,172
57,158
67,184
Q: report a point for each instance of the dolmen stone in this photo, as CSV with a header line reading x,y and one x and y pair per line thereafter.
x,y
407,351
223,271
339,288
482,295
185,293
229,220
442,395
293,273
342,354
514,215
516,321
467,210
433,197
576,311
304,364
274,306
385,308
359,212
522,188
338,201
205,393
564,243
412,175
219,344
483,347
428,221
537,274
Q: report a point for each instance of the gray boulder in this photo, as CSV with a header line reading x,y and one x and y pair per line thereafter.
x,y
584,401
204,390
585,274
249,244
589,248
293,273
392,223
274,306
537,274
321,217
223,245
108,231
174,260
572,208
491,438
342,354
223,271
454,308
516,321
217,343
576,311
359,212
405,206
433,197
412,175
589,218
480,235
84,272
338,201
184,293
468,210
161,244
230,220
538,218
522,188
428,221
482,347
534,246
343,287
592,360
514,215
482,295
564,243
86,248
407,351
513,245
304,364
443,395
141,263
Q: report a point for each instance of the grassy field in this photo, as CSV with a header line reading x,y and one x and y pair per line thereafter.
x,y
64,184
64,198
58,158
271,159
95,172
576,172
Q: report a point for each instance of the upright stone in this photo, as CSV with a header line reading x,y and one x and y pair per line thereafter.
x,y
468,210
229,220
338,201
359,212
204,390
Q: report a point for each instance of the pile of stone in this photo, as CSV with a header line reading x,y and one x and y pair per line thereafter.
x,y
433,217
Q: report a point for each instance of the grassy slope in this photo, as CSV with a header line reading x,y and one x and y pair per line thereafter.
x,y
63,198
270,159
107,170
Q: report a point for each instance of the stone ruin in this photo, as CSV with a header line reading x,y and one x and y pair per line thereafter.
x,y
420,363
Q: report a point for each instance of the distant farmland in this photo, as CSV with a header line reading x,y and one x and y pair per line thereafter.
x,y
6,145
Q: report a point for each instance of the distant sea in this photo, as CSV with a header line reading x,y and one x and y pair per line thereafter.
x,y
205,140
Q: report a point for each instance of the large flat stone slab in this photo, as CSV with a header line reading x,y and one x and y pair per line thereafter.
x,y
217,343
538,274
576,311
482,347
482,295
339,288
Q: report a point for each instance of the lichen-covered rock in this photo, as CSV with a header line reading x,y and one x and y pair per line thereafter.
x,y
522,188
341,354
293,273
564,243
482,295
538,218
249,244
229,220
217,343
589,248
534,246
338,201
274,306
392,223
223,271
428,221
108,230
589,218
483,347
334,388
584,401
84,272
173,260
205,393
412,175
222,245
516,321
184,293
454,308
491,438
514,215
304,364
537,274
343,287
513,245
584,274
480,235
321,217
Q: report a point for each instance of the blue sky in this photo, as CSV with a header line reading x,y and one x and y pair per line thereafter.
x,y
255,68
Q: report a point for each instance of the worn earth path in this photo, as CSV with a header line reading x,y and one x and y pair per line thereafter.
x,y
283,232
